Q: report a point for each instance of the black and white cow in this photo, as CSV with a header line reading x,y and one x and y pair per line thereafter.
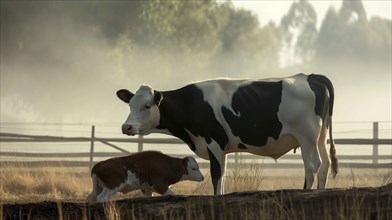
x,y
267,117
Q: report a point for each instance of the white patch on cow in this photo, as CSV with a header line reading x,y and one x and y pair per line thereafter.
x,y
200,145
107,193
298,101
168,192
218,93
144,115
132,181
193,171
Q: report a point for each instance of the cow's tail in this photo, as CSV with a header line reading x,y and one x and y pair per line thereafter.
x,y
332,152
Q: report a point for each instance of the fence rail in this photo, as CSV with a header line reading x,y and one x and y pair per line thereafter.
x,y
372,161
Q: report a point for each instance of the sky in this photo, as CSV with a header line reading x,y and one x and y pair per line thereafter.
x,y
268,10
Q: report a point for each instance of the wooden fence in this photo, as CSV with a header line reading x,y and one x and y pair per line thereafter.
x,y
371,161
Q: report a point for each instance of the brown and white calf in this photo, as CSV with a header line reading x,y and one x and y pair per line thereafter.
x,y
150,171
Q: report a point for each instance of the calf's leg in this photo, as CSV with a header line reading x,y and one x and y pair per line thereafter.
x,y
106,195
92,197
162,188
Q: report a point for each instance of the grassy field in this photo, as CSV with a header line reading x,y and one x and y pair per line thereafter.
x,y
23,184
24,192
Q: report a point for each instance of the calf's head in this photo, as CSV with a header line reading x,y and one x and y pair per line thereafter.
x,y
192,171
144,107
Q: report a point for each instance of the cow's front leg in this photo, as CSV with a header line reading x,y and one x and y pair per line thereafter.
x,y
217,167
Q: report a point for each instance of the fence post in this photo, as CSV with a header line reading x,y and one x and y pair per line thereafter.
x,y
375,145
140,143
92,146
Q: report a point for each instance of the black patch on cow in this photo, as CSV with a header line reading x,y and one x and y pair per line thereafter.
x,y
257,105
241,146
318,85
185,108
215,169
208,140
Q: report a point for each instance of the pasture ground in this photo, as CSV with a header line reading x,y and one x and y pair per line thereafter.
x,y
60,193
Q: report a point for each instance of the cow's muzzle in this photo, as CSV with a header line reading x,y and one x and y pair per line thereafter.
x,y
127,129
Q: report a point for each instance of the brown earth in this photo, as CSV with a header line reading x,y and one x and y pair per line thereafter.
x,y
354,203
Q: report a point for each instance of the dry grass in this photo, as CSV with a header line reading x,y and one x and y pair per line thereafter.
x,y
23,184
244,177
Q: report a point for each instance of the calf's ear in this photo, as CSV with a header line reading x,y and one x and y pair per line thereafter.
x,y
157,98
124,95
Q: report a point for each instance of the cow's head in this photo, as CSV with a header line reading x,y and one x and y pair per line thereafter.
x,y
144,106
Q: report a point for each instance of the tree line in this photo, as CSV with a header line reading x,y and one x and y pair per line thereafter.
x,y
209,36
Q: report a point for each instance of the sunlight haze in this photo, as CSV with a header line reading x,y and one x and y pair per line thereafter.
x,y
268,10
64,61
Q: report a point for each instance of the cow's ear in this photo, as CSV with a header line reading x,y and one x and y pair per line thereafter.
x,y
157,98
124,95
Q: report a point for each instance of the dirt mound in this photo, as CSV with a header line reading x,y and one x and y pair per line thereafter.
x,y
354,203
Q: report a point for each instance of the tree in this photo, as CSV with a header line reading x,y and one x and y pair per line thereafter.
x,y
353,11
245,48
299,32
350,35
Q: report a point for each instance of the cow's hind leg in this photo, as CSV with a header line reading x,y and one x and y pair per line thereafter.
x,y
217,167
311,160
322,175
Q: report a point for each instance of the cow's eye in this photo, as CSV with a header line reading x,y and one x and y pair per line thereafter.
x,y
148,106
